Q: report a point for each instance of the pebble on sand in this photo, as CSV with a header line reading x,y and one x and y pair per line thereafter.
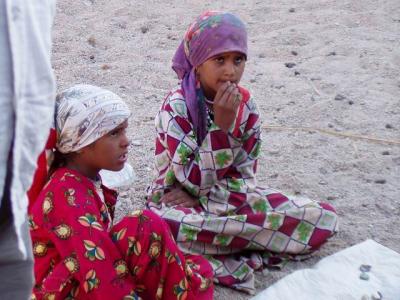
x,y
386,153
294,53
92,41
380,181
388,126
290,65
339,97
292,10
144,29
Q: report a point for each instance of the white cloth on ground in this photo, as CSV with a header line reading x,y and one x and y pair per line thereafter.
x,y
337,277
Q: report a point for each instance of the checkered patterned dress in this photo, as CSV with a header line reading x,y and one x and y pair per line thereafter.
x,y
234,213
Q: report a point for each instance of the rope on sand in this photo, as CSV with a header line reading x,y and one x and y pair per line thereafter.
x,y
334,133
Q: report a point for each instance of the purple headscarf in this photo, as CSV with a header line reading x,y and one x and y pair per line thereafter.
x,y
211,34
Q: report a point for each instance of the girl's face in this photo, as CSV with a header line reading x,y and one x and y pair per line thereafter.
x,y
228,66
110,152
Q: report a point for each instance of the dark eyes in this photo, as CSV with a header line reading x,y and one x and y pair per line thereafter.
x,y
237,59
116,132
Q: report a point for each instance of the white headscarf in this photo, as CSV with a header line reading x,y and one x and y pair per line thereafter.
x,y
85,113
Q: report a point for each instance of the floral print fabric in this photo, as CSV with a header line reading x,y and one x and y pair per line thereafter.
x,y
76,257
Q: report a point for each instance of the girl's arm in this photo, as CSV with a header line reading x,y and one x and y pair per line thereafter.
x,y
88,253
197,168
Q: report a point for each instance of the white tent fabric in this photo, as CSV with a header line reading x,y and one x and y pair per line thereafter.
x,y
337,277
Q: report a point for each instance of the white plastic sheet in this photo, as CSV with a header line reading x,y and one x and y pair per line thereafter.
x,y
337,277
120,179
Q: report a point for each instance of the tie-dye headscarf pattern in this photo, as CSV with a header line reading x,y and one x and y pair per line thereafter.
x,y
211,34
85,113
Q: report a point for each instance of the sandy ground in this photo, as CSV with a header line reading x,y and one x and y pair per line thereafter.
x,y
345,79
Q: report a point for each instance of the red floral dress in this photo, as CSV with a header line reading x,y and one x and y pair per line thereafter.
x,y
77,257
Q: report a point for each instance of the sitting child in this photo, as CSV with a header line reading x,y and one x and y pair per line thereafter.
x,y
79,252
207,146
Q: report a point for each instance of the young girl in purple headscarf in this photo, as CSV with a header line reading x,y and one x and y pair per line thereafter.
x,y
207,146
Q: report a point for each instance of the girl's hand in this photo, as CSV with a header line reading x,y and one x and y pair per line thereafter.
x,y
179,197
226,104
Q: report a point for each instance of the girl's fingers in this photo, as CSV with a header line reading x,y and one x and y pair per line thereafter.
x,y
221,91
232,97
189,203
225,97
237,100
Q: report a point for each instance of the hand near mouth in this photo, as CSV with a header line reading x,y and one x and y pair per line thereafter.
x,y
226,104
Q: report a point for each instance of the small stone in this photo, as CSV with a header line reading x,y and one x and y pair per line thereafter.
x,y
122,87
388,126
322,182
385,153
91,57
136,143
380,181
105,67
323,171
294,53
88,2
122,25
330,198
274,175
171,37
292,10
290,65
364,205
252,80
296,73
330,125
144,29
261,55
365,268
377,296
364,276
273,152
92,41
333,53
339,97
351,102
297,192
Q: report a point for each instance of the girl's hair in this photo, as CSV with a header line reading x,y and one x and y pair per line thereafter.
x,y
59,161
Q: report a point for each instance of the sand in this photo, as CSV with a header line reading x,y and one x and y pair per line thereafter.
x,y
344,77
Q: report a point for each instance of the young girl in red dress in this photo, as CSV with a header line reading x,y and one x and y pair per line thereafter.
x,y
79,252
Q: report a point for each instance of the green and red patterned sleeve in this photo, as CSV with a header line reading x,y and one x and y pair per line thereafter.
x,y
198,168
